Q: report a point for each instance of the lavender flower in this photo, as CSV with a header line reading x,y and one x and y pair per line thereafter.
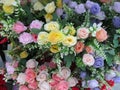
x,y
118,68
89,4
93,83
25,38
110,75
83,74
72,4
116,22
116,79
99,62
80,9
95,8
66,1
59,11
116,7
96,88
100,15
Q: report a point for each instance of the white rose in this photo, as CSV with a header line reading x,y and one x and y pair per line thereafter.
x,y
38,6
32,63
72,81
44,86
42,76
50,7
21,78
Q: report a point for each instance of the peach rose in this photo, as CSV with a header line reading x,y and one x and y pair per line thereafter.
x,y
33,85
65,72
62,85
101,35
79,47
88,59
30,75
89,49
43,75
83,33
72,81
23,87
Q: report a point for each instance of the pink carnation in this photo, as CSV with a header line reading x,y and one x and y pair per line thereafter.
x,y
62,85
23,87
19,27
83,33
25,38
31,63
30,75
88,59
33,85
36,24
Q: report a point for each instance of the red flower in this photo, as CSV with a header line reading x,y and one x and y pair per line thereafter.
x,y
103,87
75,88
111,83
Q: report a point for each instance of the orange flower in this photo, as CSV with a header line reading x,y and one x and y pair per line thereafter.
x,y
88,49
79,47
101,35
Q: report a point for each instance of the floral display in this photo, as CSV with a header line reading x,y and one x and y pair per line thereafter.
x,y
62,44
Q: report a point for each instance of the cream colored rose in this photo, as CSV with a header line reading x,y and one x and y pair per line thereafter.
x,y
43,75
21,78
9,2
72,81
38,6
69,41
52,26
50,7
42,38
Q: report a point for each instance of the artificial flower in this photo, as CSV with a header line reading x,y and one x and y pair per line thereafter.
x,y
36,24
8,9
79,47
23,54
69,30
54,48
83,33
31,63
59,4
48,17
21,78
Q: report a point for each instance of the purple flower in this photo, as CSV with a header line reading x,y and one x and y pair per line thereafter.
x,y
100,15
110,75
95,8
25,38
89,4
118,68
66,1
116,79
96,88
72,4
116,22
83,74
93,83
116,7
59,11
99,62
80,9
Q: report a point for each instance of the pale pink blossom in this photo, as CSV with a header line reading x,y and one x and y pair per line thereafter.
x,y
44,86
21,78
23,87
36,24
57,77
83,33
65,72
10,69
31,63
72,81
33,85
43,75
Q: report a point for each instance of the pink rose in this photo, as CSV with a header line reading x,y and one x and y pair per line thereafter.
x,y
30,75
57,77
72,81
23,87
21,78
88,59
44,86
32,63
43,75
15,64
34,37
65,72
33,85
89,49
36,24
83,33
43,67
19,27
52,64
101,35
53,83
10,69
62,85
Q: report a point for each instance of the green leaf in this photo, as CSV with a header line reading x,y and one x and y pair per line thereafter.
x,y
35,31
69,59
111,52
109,59
115,40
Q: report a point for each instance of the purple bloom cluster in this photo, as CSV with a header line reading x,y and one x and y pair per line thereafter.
x,y
116,22
116,7
116,79
99,62
89,4
93,83
95,8
72,4
83,74
79,9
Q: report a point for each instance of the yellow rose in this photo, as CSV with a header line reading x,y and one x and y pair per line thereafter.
x,y
38,6
55,37
9,2
48,17
42,38
52,26
54,49
59,3
8,9
69,41
23,54
69,30
50,7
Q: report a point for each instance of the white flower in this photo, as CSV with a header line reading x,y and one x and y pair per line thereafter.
x,y
42,76
44,86
50,7
32,63
38,6
21,78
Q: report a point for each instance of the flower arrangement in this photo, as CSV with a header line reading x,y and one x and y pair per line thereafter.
x,y
62,44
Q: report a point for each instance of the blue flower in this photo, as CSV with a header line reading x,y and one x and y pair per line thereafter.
x,y
72,4
116,7
79,9
116,79
95,8
83,74
66,1
96,88
116,22
93,83
89,4
99,62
